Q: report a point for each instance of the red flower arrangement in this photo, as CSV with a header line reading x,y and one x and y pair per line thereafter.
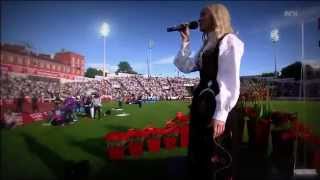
x,y
170,135
184,135
136,141
181,117
153,138
288,135
116,142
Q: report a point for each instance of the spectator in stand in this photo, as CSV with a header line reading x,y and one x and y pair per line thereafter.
x,y
69,110
11,119
88,105
57,117
20,102
34,103
57,100
78,104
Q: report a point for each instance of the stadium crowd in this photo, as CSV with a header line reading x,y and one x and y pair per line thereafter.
x,y
86,95
15,88
46,88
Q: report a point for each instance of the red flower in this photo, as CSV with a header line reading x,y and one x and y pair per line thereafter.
x,y
279,118
179,115
288,135
116,136
250,112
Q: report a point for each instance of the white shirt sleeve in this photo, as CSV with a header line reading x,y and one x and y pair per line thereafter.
x,y
228,76
184,62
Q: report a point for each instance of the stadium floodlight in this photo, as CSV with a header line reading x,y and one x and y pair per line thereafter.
x,y
274,35
105,29
150,46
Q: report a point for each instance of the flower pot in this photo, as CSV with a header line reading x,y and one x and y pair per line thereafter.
x,y
169,142
184,136
262,131
115,153
116,145
153,136
283,151
135,149
283,142
170,134
136,141
258,132
251,127
153,144
316,160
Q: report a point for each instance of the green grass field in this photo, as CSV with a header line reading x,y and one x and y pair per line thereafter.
x,y
38,152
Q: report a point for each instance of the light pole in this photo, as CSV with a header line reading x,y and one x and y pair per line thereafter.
x,y
150,46
295,14
302,88
274,35
104,32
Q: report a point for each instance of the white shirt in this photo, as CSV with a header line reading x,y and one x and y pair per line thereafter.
x,y
228,77
96,101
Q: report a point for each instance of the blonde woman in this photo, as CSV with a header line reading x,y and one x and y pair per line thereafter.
x,y
218,61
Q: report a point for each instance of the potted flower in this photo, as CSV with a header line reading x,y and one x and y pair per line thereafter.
x,y
116,142
182,123
308,145
316,162
258,124
181,117
283,141
135,142
184,135
170,134
153,138
255,110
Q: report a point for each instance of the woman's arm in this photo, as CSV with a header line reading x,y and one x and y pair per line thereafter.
x,y
228,77
183,61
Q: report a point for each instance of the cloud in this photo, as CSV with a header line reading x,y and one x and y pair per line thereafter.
x,y
137,66
166,60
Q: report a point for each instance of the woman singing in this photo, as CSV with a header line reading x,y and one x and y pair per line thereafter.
x,y
218,61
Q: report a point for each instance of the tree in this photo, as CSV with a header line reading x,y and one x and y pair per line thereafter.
x,y
124,67
292,71
92,72
269,74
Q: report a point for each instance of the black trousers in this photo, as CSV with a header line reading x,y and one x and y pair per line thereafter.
x,y
19,107
97,108
35,107
201,145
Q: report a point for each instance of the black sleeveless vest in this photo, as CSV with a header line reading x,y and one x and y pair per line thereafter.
x,y
209,69
203,101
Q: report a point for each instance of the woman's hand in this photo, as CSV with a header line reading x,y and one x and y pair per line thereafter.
x,y
218,127
185,34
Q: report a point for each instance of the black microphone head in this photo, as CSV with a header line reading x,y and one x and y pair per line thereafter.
x,y
193,25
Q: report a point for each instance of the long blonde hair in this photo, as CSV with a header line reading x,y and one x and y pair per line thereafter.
x,y
221,19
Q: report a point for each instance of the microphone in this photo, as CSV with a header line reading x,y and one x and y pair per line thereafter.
x,y
191,25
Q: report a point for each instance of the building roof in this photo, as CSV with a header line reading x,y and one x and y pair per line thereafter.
x,y
22,50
